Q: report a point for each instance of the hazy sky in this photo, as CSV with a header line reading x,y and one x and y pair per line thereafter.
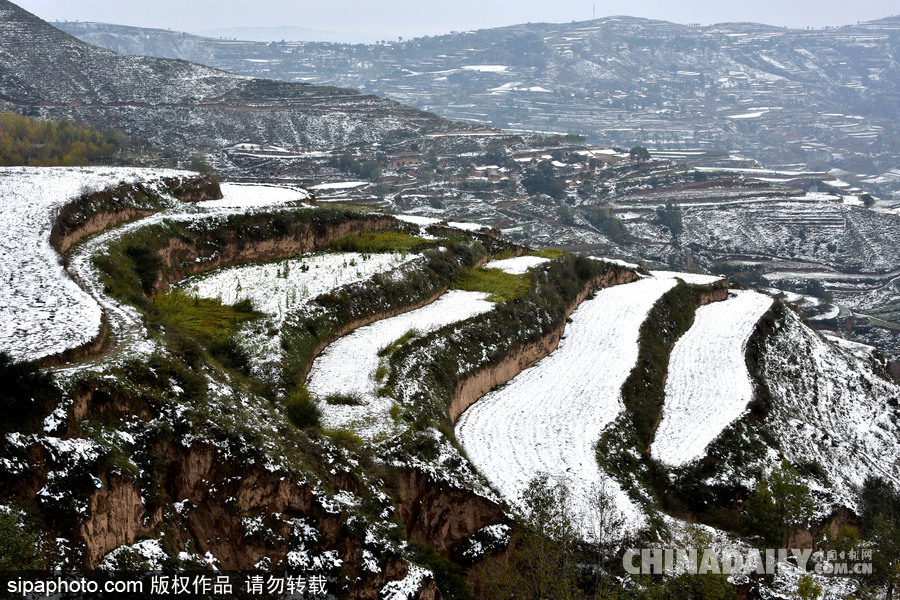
x,y
410,18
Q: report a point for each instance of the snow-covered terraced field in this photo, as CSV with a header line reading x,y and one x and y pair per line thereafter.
x,y
516,265
708,385
245,195
42,311
347,366
281,288
548,418
274,288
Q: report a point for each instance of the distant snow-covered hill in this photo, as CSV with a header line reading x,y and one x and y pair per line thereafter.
x,y
181,106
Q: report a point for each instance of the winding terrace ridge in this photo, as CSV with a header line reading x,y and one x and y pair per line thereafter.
x,y
479,383
88,215
180,258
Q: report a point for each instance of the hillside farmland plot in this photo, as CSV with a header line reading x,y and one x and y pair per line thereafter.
x,y
708,385
42,311
274,288
548,418
347,367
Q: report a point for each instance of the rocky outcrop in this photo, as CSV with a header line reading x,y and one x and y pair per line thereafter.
x,y
441,515
477,384
806,538
716,292
215,497
117,517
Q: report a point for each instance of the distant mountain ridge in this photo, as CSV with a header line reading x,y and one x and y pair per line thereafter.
x,y
182,106
781,96
274,34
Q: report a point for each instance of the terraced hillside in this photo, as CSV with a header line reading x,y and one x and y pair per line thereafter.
x,y
222,418
834,246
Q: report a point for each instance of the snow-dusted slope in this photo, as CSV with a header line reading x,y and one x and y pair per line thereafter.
x,y
281,288
348,365
548,418
708,385
830,408
183,106
42,311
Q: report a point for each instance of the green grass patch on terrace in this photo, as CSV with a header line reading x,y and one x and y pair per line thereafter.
x,y
344,399
441,359
551,253
303,335
387,350
500,285
354,206
203,318
381,241
504,254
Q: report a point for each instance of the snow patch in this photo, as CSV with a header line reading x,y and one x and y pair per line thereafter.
x,y
517,265
708,386
347,367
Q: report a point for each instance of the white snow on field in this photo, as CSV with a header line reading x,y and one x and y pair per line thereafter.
x,y
126,324
417,220
750,115
240,195
340,185
466,226
689,278
516,265
486,68
348,365
548,418
42,311
708,386
276,287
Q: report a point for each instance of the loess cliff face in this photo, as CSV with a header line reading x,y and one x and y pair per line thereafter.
x,y
97,211
245,515
181,257
441,515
